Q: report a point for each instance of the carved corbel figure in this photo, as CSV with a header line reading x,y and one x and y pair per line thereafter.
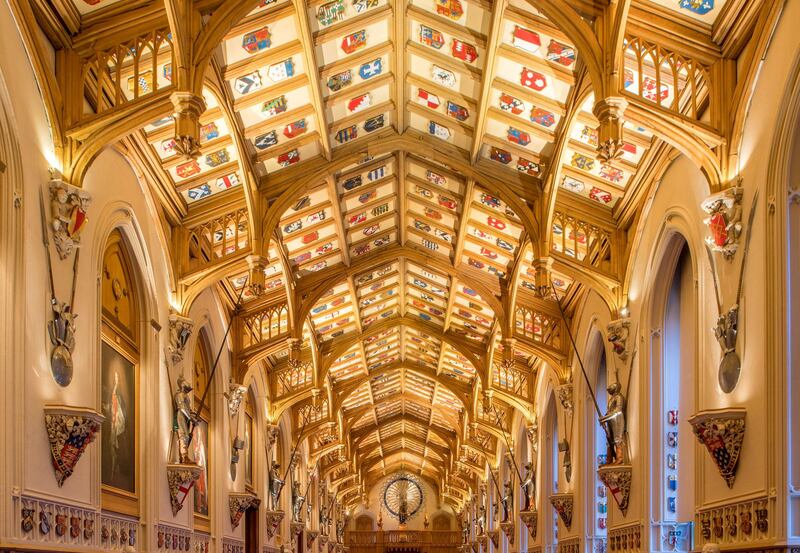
x,y
618,332
180,329
234,397
68,206
724,220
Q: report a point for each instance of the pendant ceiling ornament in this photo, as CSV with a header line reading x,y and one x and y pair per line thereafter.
x,y
403,497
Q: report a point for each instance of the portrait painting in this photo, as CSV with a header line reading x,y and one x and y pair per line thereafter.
x,y
200,446
118,404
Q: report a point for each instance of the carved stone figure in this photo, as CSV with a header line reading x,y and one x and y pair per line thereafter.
x,y
528,486
184,419
234,397
618,332
180,328
614,421
724,220
275,484
68,207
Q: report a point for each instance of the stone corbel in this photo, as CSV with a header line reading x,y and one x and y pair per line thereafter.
x,y
239,503
274,519
508,529
618,332
234,397
69,430
188,109
531,520
494,535
180,479
617,478
562,503
180,329
609,112
311,535
721,431
68,206
724,221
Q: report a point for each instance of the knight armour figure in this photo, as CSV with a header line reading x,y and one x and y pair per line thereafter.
x,y
275,484
465,529
481,522
528,487
183,418
340,531
297,503
614,421
508,500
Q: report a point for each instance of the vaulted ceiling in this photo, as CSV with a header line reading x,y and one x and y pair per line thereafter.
x,y
392,186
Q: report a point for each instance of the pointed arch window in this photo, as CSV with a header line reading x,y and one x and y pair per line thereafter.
x,y
119,380
673,357
598,457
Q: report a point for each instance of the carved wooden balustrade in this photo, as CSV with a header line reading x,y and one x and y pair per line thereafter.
x,y
423,541
265,326
577,241
538,327
513,380
675,82
216,240
125,73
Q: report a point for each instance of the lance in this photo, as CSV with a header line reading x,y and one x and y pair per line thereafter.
x,y
508,445
214,368
583,369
